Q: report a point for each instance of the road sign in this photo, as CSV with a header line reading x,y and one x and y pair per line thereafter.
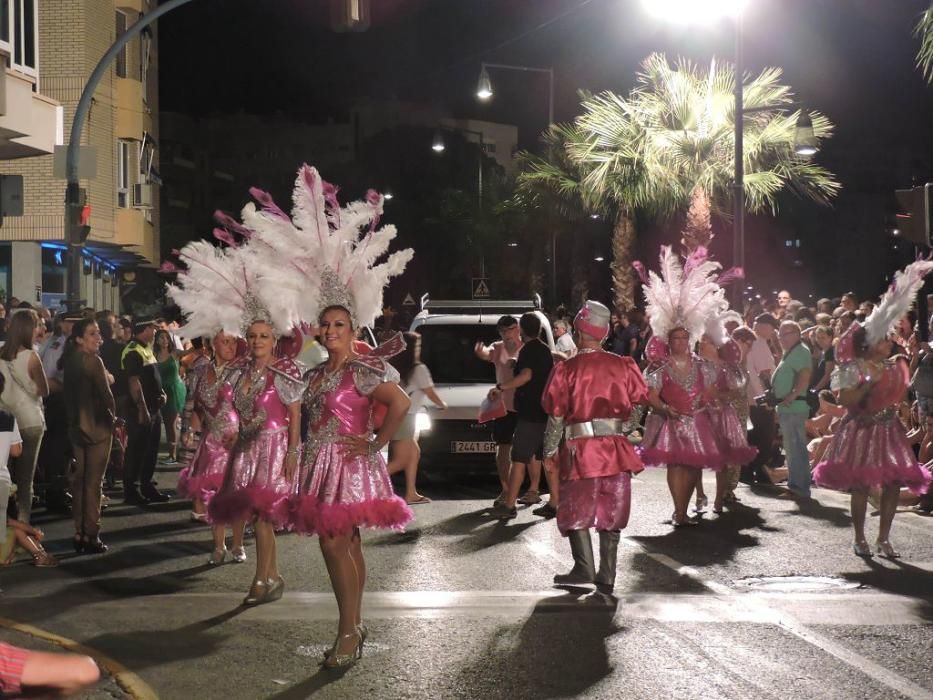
x,y
409,300
481,288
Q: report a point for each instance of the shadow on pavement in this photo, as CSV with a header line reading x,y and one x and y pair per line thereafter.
x,y
905,580
308,687
560,651
837,517
713,541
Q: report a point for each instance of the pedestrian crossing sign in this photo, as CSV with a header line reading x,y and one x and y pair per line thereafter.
x,y
481,288
409,300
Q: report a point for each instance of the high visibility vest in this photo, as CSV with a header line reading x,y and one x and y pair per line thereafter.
x,y
145,352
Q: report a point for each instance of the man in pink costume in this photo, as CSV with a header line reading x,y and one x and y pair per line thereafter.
x,y
589,399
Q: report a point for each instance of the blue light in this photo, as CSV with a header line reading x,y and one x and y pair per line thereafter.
x,y
53,246
58,257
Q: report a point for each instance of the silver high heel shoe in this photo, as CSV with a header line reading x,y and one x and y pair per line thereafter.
x,y
886,549
238,554
702,502
861,549
257,593
217,557
335,660
362,630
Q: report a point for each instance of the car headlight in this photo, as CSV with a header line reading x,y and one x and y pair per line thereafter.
x,y
422,421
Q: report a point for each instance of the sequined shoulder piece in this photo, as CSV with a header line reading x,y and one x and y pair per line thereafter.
x,y
288,368
369,372
846,376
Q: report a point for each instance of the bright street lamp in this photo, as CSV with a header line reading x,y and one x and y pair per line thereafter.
x,y
599,258
694,11
438,145
388,196
805,143
484,85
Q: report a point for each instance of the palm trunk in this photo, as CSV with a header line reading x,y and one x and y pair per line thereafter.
x,y
623,275
698,229
580,287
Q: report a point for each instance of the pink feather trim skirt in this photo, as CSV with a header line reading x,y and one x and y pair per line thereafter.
x,y
682,441
204,476
337,494
866,454
255,485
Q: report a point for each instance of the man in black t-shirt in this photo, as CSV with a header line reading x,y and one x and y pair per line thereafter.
x,y
144,420
532,369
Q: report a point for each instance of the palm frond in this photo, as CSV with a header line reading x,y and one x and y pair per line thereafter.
x,y
924,31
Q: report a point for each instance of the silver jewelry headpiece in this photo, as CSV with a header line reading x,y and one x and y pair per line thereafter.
x,y
335,293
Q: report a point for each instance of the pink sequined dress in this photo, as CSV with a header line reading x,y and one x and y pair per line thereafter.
x,y
729,414
255,485
213,402
336,493
870,447
687,439
595,472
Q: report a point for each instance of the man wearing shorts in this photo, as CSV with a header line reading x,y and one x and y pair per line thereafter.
x,y
503,354
532,369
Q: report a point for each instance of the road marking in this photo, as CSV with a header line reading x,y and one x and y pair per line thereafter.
x,y
788,622
126,679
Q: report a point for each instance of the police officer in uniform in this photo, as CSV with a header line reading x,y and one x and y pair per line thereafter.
x,y
144,420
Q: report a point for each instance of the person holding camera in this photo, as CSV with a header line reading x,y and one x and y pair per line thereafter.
x,y
789,385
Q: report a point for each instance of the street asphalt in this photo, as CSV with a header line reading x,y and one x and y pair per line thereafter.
x,y
764,601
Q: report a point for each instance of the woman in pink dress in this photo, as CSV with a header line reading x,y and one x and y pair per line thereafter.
x,y
209,413
726,400
870,450
679,434
343,482
263,463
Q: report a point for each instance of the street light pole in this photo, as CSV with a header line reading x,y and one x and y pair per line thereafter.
x,y
485,92
738,185
72,157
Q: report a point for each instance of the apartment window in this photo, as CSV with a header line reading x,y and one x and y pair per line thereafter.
x,y
121,24
145,55
25,32
123,174
6,10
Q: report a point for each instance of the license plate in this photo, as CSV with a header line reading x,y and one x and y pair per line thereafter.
x,y
472,447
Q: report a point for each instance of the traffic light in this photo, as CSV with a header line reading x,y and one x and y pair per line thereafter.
x,y
914,218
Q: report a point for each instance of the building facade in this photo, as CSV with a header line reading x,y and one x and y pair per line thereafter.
x,y
120,193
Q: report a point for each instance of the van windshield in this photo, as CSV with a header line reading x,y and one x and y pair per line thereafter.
x,y
448,353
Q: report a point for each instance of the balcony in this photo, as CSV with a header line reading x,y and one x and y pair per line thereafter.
x,y
29,122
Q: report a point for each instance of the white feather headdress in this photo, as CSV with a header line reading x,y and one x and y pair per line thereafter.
x,y
896,301
331,249
682,295
219,289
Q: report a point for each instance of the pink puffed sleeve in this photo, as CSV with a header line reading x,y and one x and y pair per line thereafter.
x,y
556,398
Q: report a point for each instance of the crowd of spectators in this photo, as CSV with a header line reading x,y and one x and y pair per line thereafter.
x,y
82,394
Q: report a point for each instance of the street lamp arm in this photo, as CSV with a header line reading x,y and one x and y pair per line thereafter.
x,y
72,155
786,106
509,66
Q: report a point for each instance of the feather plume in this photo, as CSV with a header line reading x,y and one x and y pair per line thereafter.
x,y
683,296
896,302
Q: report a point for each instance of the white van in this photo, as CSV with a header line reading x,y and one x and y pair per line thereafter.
x,y
449,331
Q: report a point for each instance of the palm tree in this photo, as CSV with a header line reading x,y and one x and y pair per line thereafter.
x,y
555,181
671,142
551,185
924,30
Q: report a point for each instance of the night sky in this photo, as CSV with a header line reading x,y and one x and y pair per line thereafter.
x,y
851,59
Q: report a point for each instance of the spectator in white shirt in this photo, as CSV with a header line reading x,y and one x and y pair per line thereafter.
x,y
563,340
760,365
416,381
